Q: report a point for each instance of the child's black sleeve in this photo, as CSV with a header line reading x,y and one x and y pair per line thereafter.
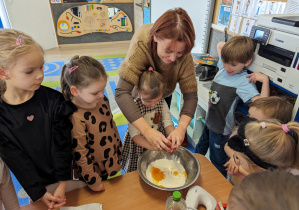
x,y
23,168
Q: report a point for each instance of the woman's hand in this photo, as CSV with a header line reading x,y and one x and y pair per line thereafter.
x,y
157,139
177,137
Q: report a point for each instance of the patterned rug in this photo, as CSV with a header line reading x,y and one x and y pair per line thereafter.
x,y
52,69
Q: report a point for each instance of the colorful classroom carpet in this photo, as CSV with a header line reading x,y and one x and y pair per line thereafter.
x,y
52,69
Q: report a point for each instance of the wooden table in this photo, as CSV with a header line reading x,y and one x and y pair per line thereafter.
x,y
129,191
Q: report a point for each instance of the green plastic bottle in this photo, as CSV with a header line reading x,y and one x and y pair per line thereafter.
x,y
175,202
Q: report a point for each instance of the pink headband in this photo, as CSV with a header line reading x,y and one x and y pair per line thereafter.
x,y
19,40
263,124
150,69
72,69
285,128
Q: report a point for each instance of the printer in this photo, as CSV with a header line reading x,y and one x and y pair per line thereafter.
x,y
277,51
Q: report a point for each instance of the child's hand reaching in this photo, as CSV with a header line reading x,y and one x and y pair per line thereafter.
x,y
50,200
60,194
257,77
97,188
232,167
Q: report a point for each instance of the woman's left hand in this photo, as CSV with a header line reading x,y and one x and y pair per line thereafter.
x,y
177,137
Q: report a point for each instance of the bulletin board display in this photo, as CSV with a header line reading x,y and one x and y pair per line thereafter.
x,y
91,18
98,1
238,16
89,27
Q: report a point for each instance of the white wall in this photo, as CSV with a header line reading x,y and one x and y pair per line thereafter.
x,y
200,12
33,17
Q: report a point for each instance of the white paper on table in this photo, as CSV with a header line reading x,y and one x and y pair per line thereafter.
x,y
292,7
246,26
91,206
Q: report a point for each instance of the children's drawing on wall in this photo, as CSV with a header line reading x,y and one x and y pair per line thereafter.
x,y
264,7
86,1
90,18
273,7
235,24
247,8
227,2
256,11
224,15
281,7
237,7
246,26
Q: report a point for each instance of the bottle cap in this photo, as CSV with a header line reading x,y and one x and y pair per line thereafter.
x,y
176,196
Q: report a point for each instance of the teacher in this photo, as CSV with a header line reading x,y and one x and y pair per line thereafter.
x,y
166,46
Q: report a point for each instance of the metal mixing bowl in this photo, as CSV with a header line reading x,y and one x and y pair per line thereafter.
x,y
182,156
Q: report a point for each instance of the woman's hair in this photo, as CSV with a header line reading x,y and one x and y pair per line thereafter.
x,y
274,190
237,49
174,24
80,72
272,144
151,83
275,107
11,51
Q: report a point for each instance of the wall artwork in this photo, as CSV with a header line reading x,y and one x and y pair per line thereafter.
x,y
90,18
224,15
85,1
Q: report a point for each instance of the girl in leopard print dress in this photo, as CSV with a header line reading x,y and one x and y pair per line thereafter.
x,y
156,113
96,143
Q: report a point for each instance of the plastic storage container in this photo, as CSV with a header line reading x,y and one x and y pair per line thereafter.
x,y
175,202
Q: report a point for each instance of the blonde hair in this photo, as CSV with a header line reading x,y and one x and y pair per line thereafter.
x,y
151,83
10,52
237,49
272,144
87,70
274,190
275,107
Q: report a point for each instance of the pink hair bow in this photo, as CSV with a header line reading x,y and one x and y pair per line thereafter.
x,y
150,69
72,69
285,128
263,124
19,40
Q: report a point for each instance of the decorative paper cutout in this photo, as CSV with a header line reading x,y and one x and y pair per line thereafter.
x,y
90,18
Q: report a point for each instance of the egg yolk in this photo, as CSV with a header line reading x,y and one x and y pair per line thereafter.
x,y
157,174
185,173
175,173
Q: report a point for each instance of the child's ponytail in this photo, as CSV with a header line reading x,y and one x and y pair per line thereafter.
x,y
151,83
65,88
273,142
80,72
2,86
294,131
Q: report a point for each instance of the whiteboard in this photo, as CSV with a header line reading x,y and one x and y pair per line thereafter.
x,y
200,12
33,17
